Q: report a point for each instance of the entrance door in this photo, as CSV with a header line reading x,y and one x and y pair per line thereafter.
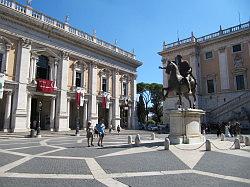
x,y
103,113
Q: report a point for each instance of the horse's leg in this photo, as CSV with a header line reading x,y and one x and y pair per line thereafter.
x,y
187,97
165,95
194,96
180,104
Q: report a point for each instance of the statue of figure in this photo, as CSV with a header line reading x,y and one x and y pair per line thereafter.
x,y
181,79
185,70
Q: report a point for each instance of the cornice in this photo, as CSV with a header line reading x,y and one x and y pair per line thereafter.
x,y
56,32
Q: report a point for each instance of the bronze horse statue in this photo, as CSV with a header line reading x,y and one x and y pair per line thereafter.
x,y
177,83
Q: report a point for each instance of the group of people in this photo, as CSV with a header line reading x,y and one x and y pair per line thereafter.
x,y
99,130
233,128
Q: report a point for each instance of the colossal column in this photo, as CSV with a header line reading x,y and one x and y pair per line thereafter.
x,y
7,112
116,95
19,117
223,65
92,109
61,104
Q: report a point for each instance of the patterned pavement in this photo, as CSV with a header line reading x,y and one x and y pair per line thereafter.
x,y
67,161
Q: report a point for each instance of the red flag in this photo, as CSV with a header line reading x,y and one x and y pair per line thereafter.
x,y
104,101
78,98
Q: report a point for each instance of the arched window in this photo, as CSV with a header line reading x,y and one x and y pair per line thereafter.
x,y
43,69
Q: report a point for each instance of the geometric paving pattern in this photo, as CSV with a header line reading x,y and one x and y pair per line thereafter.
x,y
67,161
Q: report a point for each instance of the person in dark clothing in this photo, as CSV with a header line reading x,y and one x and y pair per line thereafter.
x,y
185,70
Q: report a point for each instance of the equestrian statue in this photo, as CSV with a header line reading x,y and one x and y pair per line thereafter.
x,y
181,80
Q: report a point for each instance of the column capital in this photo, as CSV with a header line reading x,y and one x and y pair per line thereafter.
x,y
65,55
222,49
8,47
25,42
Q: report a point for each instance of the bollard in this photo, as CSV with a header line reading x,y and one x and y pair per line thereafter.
x,y
137,140
241,139
32,133
247,142
237,143
208,145
222,137
153,136
166,144
129,139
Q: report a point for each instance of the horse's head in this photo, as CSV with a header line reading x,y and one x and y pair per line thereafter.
x,y
171,67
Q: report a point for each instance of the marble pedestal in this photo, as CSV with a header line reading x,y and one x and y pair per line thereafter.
x,y
185,126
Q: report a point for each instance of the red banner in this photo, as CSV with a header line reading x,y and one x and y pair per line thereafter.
x,y
104,102
45,86
78,98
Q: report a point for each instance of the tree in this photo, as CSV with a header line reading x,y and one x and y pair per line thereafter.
x,y
156,100
141,113
143,89
152,94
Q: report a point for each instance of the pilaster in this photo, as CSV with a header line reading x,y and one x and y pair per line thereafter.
x,y
19,118
52,113
7,112
92,108
116,94
223,66
61,104
133,110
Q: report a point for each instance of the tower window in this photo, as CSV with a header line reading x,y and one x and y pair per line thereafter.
x,y
104,84
78,79
210,86
240,82
236,48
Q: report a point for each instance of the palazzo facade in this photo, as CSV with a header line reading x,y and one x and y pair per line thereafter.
x,y
43,60
221,64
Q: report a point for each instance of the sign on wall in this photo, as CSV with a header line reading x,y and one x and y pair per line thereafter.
x,y
45,86
2,78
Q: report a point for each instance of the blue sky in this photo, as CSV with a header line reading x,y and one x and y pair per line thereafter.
x,y
145,24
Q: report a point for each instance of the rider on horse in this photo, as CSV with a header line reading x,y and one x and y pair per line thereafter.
x,y
185,70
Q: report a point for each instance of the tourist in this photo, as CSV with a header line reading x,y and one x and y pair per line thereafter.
x,y
118,129
101,132
90,131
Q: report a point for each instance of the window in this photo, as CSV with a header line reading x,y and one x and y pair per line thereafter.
x,y
42,71
104,84
210,86
78,79
124,88
236,48
1,62
209,55
240,82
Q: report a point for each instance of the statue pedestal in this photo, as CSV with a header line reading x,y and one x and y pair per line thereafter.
x,y
185,126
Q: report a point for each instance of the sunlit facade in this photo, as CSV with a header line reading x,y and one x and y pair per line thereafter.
x,y
48,61
221,64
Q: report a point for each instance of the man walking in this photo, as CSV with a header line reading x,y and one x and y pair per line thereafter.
x,y
90,131
101,132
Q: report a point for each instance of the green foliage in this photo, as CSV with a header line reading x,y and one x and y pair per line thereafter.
x,y
141,112
152,93
150,122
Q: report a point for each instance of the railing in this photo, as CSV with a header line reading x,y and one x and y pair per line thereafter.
x,y
209,36
228,106
63,26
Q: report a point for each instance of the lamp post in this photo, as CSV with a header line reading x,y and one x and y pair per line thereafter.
x,y
40,104
78,122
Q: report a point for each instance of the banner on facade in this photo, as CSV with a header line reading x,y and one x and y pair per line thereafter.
x,y
105,100
2,78
79,97
45,86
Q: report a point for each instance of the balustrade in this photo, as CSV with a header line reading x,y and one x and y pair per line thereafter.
x,y
209,36
41,17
